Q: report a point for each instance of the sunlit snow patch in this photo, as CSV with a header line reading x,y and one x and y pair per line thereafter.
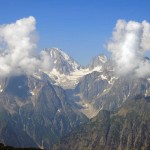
x,y
1,89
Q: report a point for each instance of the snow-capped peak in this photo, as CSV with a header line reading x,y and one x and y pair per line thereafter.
x,y
54,52
60,61
98,61
65,71
102,58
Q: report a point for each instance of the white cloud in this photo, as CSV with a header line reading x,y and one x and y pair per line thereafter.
x,y
46,62
17,46
130,41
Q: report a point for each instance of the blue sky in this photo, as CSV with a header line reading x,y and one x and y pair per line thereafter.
x,y
79,27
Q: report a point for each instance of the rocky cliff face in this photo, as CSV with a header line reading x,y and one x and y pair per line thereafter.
x,y
104,90
127,128
34,113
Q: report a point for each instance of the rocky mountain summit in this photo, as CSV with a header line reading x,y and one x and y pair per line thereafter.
x,y
60,61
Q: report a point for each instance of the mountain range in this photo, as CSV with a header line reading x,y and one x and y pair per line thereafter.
x,y
125,129
77,107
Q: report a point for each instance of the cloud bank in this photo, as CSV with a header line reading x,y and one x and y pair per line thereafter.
x,y
18,42
129,43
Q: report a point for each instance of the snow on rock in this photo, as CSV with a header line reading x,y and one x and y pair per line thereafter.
x,y
32,93
103,77
98,68
69,81
72,79
103,58
1,89
111,81
37,76
58,110
64,71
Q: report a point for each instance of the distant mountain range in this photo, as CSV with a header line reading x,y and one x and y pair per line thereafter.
x,y
84,106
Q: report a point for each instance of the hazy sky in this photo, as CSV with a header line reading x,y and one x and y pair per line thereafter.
x,y
79,27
